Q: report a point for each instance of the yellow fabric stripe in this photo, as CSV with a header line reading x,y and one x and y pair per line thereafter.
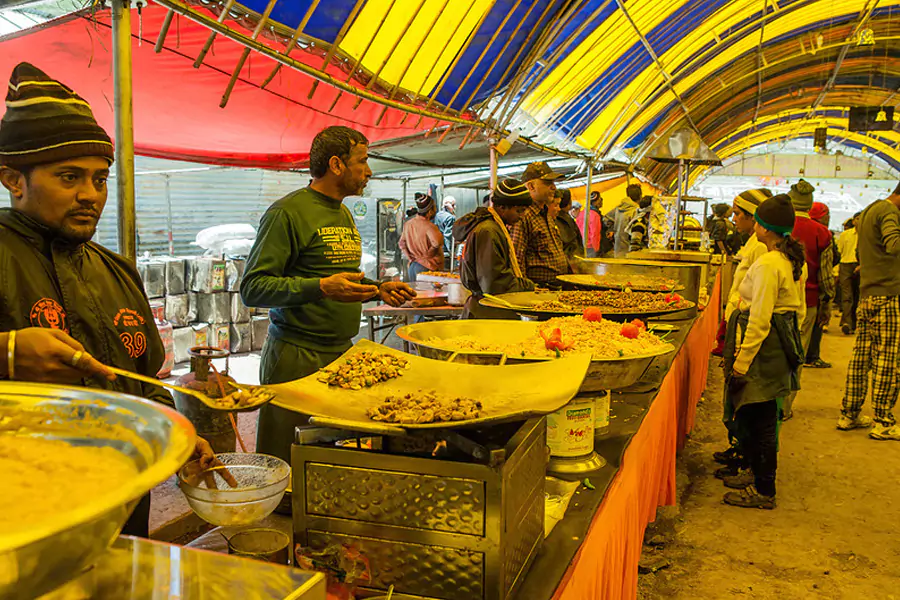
x,y
594,55
44,100
22,84
428,55
776,25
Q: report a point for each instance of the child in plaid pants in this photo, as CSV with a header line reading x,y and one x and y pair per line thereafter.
x,y
877,350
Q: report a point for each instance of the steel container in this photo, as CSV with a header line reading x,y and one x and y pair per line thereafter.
x,y
156,438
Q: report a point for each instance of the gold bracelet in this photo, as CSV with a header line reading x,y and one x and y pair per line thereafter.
x,y
11,355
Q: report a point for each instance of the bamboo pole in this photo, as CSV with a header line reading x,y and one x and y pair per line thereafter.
x,y
124,117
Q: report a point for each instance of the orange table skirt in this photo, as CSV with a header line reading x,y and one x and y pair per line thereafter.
x,y
606,566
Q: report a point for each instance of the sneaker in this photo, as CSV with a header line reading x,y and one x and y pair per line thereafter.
x,y
846,423
824,328
728,471
883,432
845,329
739,481
817,364
727,457
750,498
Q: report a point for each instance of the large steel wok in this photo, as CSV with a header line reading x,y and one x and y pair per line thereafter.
x,y
602,374
517,393
526,303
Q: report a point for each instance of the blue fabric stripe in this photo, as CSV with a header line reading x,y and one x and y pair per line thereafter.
x,y
326,20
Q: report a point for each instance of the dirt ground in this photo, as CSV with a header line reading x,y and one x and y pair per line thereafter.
x,y
833,534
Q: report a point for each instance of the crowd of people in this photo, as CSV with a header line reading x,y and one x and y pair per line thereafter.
x,y
777,310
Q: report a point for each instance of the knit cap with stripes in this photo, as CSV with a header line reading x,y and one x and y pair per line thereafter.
x,y
47,122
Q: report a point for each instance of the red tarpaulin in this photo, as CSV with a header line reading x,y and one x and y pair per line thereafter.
x,y
176,107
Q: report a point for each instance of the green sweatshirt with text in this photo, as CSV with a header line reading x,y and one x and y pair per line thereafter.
x,y
302,238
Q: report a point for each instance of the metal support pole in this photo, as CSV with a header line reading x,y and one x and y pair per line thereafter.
x,y
405,186
678,204
170,225
587,206
493,168
121,33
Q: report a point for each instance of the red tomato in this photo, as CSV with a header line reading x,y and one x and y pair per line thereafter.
x,y
639,324
630,331
592,313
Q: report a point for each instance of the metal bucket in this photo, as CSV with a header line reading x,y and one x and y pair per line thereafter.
x,y
269,545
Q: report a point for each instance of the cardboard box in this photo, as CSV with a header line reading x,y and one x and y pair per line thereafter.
x,y
239,312
207,275
184,341
234,271
240,338
220,336
175,276
178,310
155,279
259,331
214,308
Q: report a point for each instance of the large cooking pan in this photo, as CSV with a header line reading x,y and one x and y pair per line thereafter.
x,y
514,393
525,303
641,283
603,373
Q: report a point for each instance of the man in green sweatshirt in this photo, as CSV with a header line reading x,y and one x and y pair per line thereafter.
x,y
304,266
877,346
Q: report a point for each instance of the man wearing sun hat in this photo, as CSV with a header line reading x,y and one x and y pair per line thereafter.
x,y
68,306
539,247
489,264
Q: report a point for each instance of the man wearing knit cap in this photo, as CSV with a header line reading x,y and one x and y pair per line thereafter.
x,y
816,240
820,214
68,306
539,247
421,241
489,264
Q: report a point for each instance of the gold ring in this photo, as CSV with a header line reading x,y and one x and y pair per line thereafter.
x,y
76,358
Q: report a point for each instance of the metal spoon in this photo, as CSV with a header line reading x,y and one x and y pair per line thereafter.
x,y
259,394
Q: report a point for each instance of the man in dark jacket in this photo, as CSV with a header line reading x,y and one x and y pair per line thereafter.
x,y
568,228
67,305
489,264
304,266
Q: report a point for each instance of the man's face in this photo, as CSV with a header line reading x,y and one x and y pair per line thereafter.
x,y
510,214
354,174
743,221
68,196
542,191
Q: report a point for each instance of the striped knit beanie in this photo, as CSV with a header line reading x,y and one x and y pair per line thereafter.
x,y
511,192
46,122
776,214
750,200
424,203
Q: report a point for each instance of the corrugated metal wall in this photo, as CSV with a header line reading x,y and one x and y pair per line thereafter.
x,y
199,197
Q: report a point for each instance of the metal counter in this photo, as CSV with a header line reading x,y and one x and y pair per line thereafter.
x,y
139,569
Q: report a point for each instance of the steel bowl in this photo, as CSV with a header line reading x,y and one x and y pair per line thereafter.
x,y
261,482
603,373
157,439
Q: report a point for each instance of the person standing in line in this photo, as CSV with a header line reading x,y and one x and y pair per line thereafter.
x,y
304,266
595,225
568,227
444,220
848,275
421,241
717,228
816,240
489,264
876,349
764,351
745,205
539,248
820,214
637,229
622,216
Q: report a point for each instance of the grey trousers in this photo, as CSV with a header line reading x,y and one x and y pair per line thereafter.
x,y
806,331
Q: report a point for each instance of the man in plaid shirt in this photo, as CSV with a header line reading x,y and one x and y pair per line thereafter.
x,y
539,247
877,346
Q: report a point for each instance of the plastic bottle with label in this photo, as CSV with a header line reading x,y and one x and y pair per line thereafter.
x,y
167,333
